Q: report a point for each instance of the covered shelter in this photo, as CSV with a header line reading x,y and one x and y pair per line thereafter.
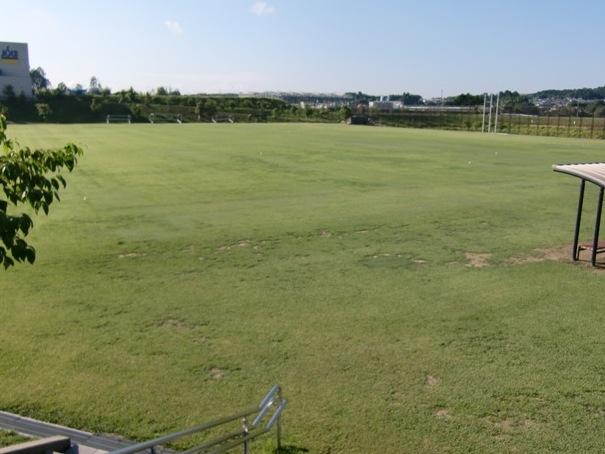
x,y
593,172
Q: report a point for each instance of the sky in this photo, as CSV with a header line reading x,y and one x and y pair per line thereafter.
x,y
335,46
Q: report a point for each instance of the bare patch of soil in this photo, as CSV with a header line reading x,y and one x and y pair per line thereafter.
x,y
477,259
173,323
131,255
431,381
216,373
510,426
442,413
556,254
325,233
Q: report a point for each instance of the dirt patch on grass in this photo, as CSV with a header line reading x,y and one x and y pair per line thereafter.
x,y
477,259
325,233
555,254
131,255
174,323
510,426
431,381
442,413
240,243
216,373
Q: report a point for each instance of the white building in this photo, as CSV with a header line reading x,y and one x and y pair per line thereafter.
x,y
382,106
14,68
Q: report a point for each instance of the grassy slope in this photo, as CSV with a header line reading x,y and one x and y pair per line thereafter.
x,y
289,253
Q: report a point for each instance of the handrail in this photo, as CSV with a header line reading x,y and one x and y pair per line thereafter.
x,y
247,433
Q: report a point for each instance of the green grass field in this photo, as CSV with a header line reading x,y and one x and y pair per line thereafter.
x,y
190,267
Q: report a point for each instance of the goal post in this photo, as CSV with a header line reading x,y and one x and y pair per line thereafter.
x,y
112,118
156,117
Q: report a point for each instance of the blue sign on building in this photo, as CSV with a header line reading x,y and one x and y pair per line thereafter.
x,y
9,54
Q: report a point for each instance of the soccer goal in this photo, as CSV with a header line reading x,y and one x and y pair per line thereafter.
x,y
118,119
165,118
222,118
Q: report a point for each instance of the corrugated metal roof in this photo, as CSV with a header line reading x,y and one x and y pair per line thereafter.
x,y
590,171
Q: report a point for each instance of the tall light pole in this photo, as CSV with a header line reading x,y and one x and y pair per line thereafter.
x,y
484,106
491,105
497,107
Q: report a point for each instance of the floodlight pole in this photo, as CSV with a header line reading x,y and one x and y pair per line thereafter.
x,y
483,118
497,107
489,121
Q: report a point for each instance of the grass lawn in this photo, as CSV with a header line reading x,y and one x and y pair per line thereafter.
x,y
190,267
8,438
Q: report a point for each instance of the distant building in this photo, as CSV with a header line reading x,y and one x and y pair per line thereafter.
x,y
14,68
381,106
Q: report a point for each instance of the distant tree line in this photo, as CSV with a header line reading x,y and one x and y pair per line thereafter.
x,y
93,103
597,93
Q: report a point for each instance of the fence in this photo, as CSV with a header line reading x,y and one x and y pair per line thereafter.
x,y
539,125
254,422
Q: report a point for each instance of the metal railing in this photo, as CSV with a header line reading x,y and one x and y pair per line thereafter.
x,y
253,426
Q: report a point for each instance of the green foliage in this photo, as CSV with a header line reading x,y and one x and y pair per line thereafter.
x,y
582,93
8,438
44,110
345,112
61,88
465,99
512,101
94,86
27,177
39,80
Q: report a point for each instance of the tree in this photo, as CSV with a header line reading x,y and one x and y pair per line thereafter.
x,y
345,113
27,177
199,108
39,80
465,99
61,89
94,87
161,91
43,110
211,107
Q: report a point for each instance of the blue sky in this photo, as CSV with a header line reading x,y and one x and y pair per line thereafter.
x,y
379,46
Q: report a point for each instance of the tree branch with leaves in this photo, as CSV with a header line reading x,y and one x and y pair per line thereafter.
x,y
28,177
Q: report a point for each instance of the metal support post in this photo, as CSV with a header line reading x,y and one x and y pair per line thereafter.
x,y
595,240
246,431
278,429
575,252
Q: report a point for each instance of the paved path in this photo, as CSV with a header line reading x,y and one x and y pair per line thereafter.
x,y
88,442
